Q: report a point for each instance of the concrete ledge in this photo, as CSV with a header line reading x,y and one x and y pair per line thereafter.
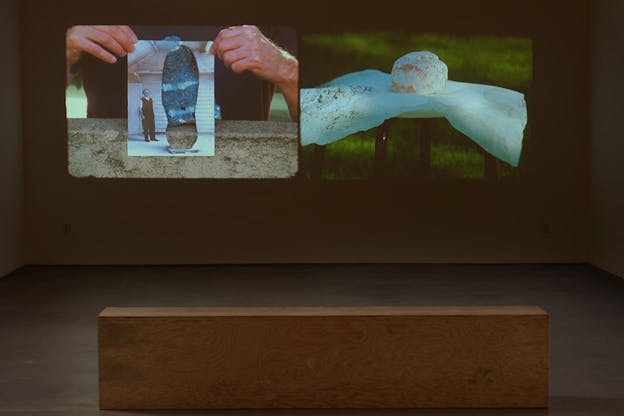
x,y
243,149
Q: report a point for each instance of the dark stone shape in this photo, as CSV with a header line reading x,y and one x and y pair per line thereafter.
x,y
180,84
182,137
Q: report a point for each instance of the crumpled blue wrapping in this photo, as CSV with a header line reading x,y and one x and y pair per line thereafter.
x,y
493,117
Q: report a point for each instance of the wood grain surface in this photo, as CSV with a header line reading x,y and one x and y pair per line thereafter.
x,y
321,311
366,357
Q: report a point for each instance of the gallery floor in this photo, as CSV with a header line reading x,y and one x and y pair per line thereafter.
x,y
48,337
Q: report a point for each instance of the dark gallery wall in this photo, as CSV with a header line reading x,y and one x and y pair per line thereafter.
x,y
542,217
607,137
10,141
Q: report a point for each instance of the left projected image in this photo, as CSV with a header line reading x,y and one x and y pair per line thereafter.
x,y
182,101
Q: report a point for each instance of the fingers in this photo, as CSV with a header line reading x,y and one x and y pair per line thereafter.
x,y
245,48
233,37
97,51
242,65
240,48
130,33
245,30
232,56
116,35
103,42
228,44
250,61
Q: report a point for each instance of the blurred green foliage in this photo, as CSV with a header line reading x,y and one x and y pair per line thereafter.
x,y
501,61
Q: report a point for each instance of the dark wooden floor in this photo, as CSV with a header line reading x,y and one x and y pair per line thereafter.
x,y
48,339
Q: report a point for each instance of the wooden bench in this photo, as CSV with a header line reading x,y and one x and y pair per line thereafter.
x,y
323,357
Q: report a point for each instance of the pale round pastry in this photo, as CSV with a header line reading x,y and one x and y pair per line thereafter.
x,y
420,73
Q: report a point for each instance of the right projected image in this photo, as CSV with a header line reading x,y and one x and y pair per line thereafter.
x,y
413,106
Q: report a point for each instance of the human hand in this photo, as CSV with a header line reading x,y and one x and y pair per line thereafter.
x,y
245,48
104,42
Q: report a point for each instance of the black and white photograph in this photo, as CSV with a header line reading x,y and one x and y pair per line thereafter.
x,y
171,106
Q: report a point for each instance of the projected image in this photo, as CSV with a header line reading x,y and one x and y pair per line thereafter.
x,y
182,101
413,106
179,119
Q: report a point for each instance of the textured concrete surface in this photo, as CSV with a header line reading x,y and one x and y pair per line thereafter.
x,y
244,149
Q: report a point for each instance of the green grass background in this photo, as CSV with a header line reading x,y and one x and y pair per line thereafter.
x,y
501,61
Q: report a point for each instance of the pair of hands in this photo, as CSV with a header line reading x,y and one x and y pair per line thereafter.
x,y
242,48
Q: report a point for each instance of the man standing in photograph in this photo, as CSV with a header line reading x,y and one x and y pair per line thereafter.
x,y
147,116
